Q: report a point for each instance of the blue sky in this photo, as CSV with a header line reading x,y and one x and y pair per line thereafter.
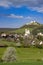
x,y
15,13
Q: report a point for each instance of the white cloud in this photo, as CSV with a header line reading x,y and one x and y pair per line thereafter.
x,y
15,16
5,3
38,9
33,4
18,16
28,17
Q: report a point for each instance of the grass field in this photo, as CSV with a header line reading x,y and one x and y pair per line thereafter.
x,y
26,56
22,63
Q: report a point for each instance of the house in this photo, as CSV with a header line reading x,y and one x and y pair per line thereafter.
x,y
41,43
33,42
3,34
27,32
40,34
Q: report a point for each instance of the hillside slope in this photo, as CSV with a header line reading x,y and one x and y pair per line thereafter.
x,y
31,26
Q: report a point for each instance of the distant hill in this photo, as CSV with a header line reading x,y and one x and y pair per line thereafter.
x,y
33,23
7,29
33,26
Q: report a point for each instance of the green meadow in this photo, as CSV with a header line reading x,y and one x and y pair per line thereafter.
x,y
23,63
26,56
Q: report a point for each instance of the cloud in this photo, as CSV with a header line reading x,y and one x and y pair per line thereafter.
x,y
32,4
15,16
18,16
5,3
38,9
28,17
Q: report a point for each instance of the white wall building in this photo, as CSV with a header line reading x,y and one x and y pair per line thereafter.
x,y
40,34
41,43
27,32
3,34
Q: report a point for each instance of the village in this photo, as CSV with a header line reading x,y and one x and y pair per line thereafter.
x,y
27,39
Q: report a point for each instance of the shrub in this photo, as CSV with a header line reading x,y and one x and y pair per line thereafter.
x,y
40,37
39,46
9,55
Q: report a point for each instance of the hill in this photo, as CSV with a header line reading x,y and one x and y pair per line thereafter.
x,y
7,30
31,26
33,23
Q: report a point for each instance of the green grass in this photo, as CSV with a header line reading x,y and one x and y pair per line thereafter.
x,y
22,63
9,43
26,56
2,51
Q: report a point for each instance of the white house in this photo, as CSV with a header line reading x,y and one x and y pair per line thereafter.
x,y
27,32
33,42
3,35
41,43
40,34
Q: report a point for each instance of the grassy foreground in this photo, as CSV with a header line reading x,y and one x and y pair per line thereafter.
x,y
26,56
23,63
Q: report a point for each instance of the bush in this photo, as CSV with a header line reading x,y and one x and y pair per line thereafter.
x,y
39,46
9,55
40,37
